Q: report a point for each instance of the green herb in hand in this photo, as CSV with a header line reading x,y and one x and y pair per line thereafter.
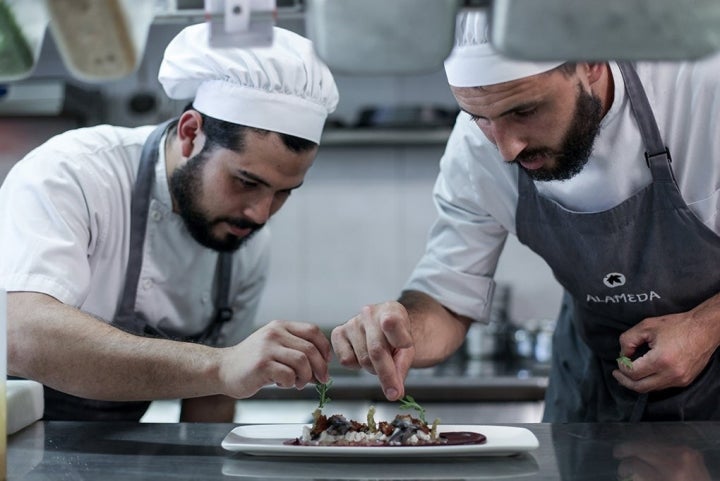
x,y
625,361
322,389
409,403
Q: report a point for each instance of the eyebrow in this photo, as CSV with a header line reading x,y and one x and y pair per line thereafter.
x,y
517,108
262,181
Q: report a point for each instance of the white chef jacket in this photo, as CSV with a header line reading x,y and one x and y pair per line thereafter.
x,y
476,193
65,232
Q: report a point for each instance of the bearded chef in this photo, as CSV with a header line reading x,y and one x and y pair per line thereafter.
x,y
610,171
135,258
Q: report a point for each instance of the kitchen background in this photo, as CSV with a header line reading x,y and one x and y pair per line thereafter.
x,y
352,234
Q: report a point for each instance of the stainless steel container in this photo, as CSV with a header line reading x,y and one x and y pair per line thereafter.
x,y
490,341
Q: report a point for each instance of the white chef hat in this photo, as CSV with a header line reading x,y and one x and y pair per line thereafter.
x,y
474,62
283,88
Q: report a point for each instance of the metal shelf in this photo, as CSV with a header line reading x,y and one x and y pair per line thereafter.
x,y
384,137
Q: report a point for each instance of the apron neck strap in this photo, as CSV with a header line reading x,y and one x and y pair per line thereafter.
x,y
125,317
656,151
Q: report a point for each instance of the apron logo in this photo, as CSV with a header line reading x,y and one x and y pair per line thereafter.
x,y
614,279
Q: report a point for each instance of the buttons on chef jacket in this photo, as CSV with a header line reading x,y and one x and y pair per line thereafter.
x,y
156,215
147,283
205,298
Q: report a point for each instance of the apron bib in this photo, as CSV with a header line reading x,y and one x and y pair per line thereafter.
x,y
648,256
61,406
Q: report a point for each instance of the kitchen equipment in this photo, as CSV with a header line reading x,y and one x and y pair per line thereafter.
x,y
531,341
15,55
100,39
241,23
612,29
22,29
25,404
381,37
406,117
490,341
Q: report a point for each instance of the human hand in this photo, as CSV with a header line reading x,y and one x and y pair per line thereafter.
x,y
285,353
680,346
380,340
648,461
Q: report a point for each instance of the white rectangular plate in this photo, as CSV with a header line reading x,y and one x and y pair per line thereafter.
x,y
269,440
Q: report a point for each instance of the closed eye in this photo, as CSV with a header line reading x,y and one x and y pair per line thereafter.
x,y
283,193
520,112
246,183
525,113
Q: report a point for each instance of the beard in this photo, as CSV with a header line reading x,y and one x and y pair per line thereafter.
x,y
186,189
577,143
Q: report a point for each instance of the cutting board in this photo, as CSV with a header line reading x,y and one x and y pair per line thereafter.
x,y
25,404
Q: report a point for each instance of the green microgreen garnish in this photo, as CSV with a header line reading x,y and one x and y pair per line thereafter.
x,y
371,419
322,388
409,403
625,361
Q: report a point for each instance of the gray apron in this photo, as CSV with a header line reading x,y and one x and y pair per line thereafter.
x,y
61,406
648,256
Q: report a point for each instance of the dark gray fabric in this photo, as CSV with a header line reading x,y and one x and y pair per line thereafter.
x,y
658,253
125,314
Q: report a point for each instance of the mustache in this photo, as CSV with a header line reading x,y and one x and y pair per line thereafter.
x,y
239,223
534,153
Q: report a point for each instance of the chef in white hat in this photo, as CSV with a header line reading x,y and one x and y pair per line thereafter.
x,y
574,158
134,258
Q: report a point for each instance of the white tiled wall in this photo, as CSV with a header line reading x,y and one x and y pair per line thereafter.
x,y
353,233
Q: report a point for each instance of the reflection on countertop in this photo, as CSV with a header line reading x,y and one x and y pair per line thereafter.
x,y
192,451
457,380
455,468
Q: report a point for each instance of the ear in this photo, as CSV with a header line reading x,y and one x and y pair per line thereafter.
x,y
594,71
189,133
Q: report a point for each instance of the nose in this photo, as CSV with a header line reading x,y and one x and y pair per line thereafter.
x,y
259,209
507,141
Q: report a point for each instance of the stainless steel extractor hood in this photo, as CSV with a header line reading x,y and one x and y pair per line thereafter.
x,y
102,40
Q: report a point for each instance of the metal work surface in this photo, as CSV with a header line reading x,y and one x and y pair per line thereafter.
x,y
126,451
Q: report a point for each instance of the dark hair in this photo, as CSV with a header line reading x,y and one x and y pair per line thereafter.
x,y
567,69
228,135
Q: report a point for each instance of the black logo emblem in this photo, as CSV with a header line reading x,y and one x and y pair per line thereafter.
x,y
614,279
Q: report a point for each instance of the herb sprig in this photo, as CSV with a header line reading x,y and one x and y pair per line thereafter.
x,y
322,388
625,361
409,403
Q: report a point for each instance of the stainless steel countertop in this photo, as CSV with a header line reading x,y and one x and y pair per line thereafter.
x,y
179,451
454,381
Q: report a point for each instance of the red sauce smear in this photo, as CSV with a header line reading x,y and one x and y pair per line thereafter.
x,y
463,437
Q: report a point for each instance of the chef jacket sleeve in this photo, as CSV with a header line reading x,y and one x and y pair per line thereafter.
x,y
45,233
475,197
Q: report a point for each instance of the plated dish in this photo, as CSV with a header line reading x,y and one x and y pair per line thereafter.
x,y
272,440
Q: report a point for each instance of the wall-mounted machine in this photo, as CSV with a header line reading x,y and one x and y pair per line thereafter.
x,y
105,39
